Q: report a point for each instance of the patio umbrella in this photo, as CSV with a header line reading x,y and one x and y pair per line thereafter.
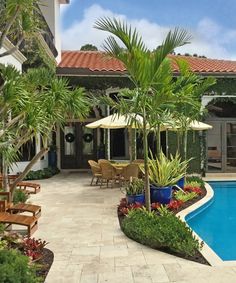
x,y
116,121
199,126
194,125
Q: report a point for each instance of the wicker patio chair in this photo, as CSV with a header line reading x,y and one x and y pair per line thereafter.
x,y
103,161
96,171
108,173
138,161
130,171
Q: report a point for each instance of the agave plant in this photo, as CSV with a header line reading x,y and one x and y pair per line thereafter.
x,y
135,187
165,172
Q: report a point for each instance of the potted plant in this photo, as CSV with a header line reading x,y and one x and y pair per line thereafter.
x,y
163,174
135,191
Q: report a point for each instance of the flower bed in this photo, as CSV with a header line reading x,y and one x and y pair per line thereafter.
x,y
32,260
161,229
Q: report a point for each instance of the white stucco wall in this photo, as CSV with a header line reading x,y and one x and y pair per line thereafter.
x,y
20,166
51,12
15,59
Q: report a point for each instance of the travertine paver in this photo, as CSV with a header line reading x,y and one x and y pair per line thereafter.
x,y
80,222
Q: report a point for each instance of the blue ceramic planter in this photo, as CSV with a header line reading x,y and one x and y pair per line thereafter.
x,y
136,198
161,194
180,183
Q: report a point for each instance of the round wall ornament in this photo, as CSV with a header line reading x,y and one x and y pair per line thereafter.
x,y
69,137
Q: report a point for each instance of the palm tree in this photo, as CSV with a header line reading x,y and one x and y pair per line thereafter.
x,y
192,87
36,101
143,68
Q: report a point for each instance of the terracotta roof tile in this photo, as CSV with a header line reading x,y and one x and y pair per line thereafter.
x,y
98,61
92,60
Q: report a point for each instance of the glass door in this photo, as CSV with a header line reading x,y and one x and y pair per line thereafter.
x,y
78,145
214,147
231,146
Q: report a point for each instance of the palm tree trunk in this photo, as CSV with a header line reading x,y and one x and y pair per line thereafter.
x,y
5,181
167,143
130,144
185,143
146,181
158,141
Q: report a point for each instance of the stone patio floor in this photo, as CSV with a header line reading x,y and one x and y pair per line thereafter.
x,y
80,223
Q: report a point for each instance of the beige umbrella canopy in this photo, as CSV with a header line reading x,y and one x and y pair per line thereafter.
x,y
116,121
194,125
199,126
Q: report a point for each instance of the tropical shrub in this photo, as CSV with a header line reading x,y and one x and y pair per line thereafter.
x,y
19,196
124,206
182,196
15,268
198,181
42,174
166,172
163,232
33,248
135,187
175,204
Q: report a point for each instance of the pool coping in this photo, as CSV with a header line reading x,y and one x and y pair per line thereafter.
x,y
206,251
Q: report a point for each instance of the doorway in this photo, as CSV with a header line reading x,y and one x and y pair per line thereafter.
x,y
221,146
78,145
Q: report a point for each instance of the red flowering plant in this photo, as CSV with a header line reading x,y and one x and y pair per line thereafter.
x,y
194,187
33,248
155,205
124,207
175,204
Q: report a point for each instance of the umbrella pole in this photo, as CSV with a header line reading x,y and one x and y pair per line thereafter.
x,y
108,144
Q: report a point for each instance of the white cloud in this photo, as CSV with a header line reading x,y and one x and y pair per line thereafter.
x,y
209,38
65,7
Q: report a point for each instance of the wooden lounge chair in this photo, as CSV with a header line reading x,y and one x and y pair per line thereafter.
x,y
29,188
21,207
30,222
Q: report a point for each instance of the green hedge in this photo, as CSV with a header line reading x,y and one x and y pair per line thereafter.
x,y
42,174
161,232
15,268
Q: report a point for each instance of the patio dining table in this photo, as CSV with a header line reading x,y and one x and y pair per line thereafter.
x,y
119,166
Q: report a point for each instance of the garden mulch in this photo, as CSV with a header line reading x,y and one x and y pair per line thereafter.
x,y
44,264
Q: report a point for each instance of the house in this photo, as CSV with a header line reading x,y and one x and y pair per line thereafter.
x,y
49,41
102,75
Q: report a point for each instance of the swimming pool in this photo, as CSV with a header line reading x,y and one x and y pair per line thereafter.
x,y
215,222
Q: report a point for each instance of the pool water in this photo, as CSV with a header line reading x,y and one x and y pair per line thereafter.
x,y
215,223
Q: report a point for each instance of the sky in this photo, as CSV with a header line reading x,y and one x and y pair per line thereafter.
x,y
211,23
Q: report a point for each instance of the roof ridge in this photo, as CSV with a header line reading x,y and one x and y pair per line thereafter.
x,y
170,55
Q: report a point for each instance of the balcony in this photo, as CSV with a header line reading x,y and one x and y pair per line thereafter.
x,y
47,35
